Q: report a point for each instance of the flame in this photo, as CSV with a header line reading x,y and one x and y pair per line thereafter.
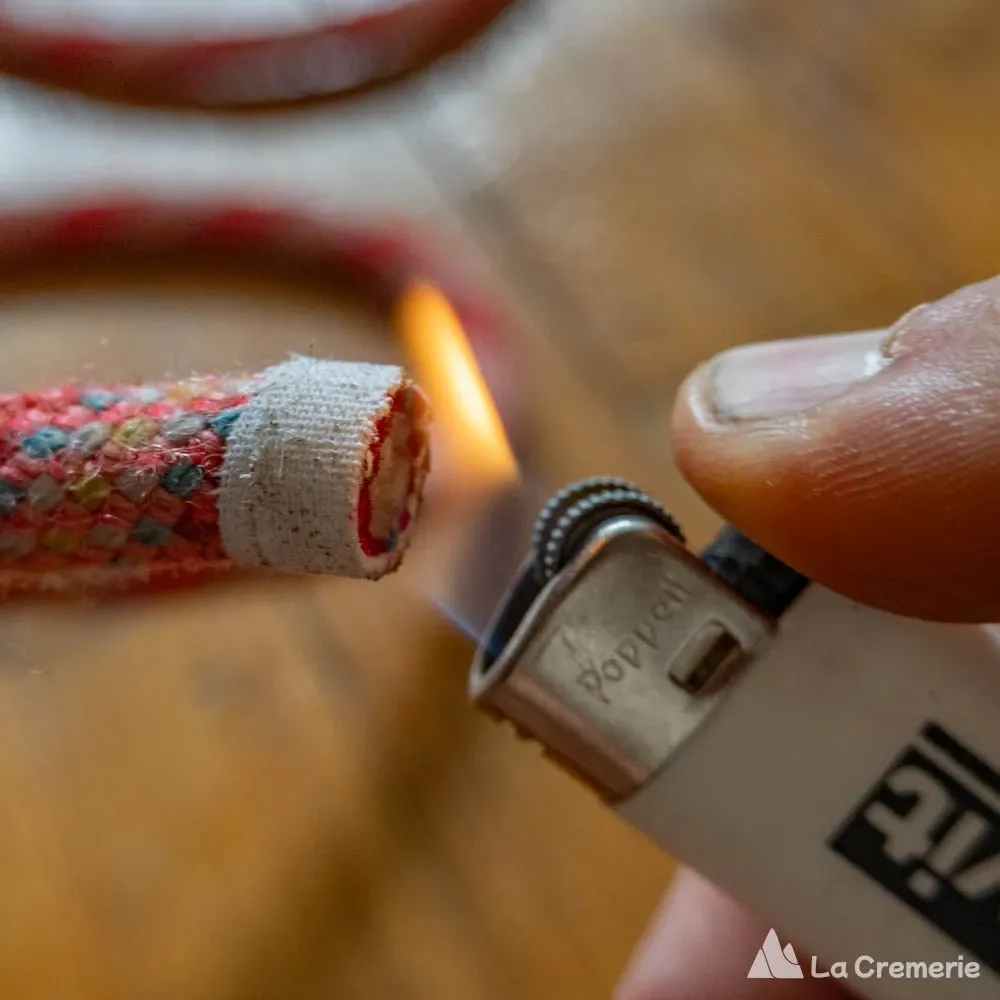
x,y
465,415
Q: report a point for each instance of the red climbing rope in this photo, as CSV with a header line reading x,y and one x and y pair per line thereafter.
x,y
144,487
246,69
381,260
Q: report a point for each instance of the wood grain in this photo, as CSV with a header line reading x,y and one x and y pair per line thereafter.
x,y
278,790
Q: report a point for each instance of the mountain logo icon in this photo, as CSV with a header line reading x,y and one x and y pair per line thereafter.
x,y
774,962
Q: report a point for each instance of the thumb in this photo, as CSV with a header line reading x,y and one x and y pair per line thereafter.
x,y
870,462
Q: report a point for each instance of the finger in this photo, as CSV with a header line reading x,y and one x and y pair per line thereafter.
x,y
870,462
700,946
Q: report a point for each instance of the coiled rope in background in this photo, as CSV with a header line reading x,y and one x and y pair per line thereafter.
x,y
245,69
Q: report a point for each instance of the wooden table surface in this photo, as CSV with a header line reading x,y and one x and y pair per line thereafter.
x,y
268,792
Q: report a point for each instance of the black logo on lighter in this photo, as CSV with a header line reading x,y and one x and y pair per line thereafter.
x,y
929,832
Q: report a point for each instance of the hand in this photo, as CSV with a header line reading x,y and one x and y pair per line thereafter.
x,y
871,463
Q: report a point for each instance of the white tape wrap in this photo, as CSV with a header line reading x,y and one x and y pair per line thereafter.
x,y
299,457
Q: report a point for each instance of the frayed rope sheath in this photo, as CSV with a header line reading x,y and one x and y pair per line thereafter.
x,y
310,467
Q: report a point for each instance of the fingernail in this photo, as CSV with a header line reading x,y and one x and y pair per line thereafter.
x,y
778,378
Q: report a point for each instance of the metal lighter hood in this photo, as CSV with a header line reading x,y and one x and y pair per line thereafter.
x,y
611,685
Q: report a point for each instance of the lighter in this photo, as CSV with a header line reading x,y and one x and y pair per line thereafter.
x,y
833,767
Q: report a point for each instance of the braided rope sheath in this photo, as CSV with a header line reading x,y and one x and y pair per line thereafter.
x,y
311,466
335,57
66,514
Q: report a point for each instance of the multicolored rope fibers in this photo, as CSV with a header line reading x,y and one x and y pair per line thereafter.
x,y
106,485
334,57
382,261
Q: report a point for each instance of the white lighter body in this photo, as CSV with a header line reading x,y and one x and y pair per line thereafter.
x,y
846,788
834,768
